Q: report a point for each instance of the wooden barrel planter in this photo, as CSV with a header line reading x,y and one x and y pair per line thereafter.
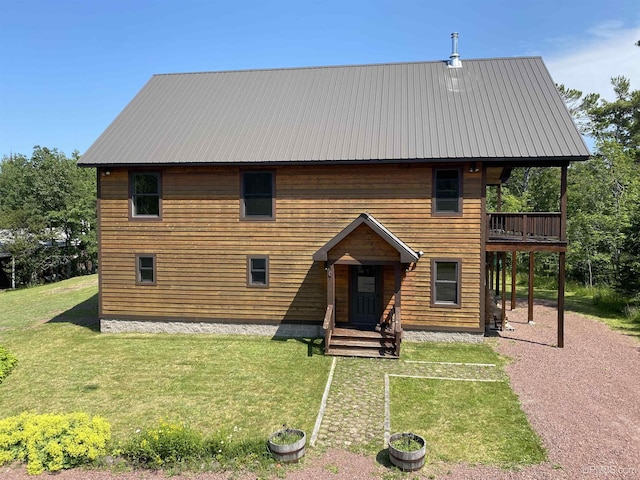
x,y
287,452
407,451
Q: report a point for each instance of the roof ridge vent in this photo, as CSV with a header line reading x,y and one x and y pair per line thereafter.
x,y
454,59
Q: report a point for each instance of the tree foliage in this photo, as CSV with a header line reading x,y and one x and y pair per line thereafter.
x,y
47,215
603,218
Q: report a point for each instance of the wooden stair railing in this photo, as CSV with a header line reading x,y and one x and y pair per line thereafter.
x,y
328,325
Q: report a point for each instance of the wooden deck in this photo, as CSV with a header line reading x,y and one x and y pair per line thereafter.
x,y
530,231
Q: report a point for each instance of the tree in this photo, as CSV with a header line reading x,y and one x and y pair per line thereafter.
x,y
47,203
603,217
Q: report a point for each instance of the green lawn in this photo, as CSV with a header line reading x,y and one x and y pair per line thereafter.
x,y
472,422
247,384
241,384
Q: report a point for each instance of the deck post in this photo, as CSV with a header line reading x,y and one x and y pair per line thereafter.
x,y
561,273
562,255
532,264
514,258
563,203
491,257
504,288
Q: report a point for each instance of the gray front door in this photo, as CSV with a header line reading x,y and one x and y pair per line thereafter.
x,y
366,286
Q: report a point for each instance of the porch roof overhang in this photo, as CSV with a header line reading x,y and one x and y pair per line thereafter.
x,y
407,254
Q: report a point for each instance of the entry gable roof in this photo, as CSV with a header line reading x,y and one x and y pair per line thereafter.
x,y
407,254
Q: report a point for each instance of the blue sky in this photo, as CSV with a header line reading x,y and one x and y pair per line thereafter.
x,y
68,67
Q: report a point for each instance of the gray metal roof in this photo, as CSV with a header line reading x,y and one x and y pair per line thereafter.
x,y
493,109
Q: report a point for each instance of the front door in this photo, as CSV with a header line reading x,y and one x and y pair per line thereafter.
x,y
366,286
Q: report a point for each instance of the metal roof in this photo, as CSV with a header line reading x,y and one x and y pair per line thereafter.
x,y
492,109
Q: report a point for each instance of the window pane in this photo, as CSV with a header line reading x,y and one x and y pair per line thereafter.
x,y
146,262
446,292
258,264
258,207
447,271
146,275
259,278
447,191
146,205
145,183
258,184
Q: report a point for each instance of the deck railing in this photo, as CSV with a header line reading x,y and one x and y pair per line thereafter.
x,y
530,226
328,325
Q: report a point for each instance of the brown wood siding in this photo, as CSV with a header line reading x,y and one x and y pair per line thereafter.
x,y
201,245
363,245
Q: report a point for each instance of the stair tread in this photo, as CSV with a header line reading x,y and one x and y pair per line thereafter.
x,y
362,352
362,342
350,332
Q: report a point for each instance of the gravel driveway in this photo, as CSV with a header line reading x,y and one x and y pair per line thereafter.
x,y
583,400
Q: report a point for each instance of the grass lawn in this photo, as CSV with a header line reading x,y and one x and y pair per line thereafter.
x,y
248,384
473,422
461,421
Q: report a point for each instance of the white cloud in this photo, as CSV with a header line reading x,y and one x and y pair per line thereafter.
x,y
607,50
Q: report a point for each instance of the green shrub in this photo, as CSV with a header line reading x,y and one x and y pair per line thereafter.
x,y
53,442
7,362
167,445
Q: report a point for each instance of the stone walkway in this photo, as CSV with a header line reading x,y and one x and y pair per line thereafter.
x,y
355,412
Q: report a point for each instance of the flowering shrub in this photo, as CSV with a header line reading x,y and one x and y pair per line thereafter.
x,y
53,441
166,445
7,362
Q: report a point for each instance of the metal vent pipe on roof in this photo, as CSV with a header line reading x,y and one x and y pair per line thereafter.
x,y
454,59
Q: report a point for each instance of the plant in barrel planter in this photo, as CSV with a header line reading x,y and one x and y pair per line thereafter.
x,y
287,445
407,451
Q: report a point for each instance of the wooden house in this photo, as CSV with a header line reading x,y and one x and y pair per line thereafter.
x,y
343,201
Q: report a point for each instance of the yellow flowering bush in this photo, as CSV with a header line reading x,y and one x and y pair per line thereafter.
x,y
53,442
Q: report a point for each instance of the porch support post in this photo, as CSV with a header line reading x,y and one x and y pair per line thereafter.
x,y
331,286
532,264
563,203
561,272
498,267
499,199
398,293
504,287
514,258
562,255
491,257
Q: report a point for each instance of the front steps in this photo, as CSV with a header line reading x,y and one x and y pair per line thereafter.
x,y
349,342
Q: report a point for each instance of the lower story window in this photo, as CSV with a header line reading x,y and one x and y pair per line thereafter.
x,y
146,269
257,271
446,282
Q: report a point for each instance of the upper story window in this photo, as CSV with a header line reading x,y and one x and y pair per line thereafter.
x,y
447,192
258,199
145,195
